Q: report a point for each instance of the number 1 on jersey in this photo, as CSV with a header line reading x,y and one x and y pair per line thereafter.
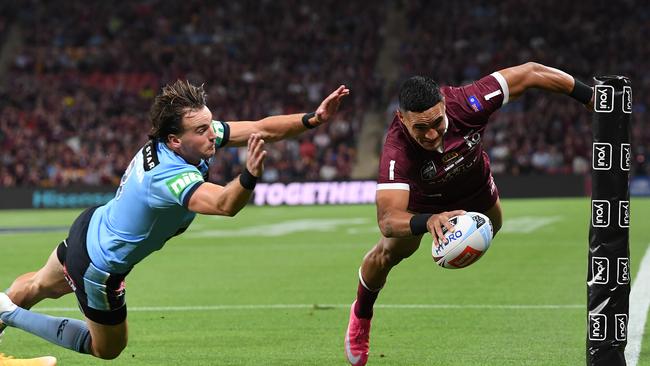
x,y
391,170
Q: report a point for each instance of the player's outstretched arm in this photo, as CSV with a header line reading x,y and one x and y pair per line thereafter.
x,y
276,128
213,199
533,75
395,221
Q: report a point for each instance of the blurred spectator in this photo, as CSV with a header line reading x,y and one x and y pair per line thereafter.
x,y
74,103
74,107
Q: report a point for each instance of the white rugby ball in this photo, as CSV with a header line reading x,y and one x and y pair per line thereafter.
x,y
466,244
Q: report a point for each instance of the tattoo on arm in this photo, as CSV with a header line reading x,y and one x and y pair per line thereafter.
x,y
388,230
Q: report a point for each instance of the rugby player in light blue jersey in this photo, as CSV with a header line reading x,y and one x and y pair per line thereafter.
x,y
161,192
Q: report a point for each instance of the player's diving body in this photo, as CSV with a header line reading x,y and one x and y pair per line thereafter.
x,y
161,192
433,167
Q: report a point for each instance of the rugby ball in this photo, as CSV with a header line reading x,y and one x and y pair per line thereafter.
x,y
466,244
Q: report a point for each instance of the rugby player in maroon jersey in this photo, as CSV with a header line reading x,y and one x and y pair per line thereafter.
x,y
433,167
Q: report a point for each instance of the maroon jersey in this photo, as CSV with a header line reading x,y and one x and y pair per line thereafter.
x,y
459,177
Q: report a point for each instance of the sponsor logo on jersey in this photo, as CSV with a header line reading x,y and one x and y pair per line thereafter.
x,y
219,130
472,139
600,270
474,103
597,327
600,213
449,157
179,182
150,156
428,170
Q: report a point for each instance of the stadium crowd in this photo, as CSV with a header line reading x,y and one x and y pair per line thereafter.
x,y
541,133
74,100
80,87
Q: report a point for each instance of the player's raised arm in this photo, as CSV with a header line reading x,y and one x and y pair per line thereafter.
x,y
213,199
276,128
534,75
394,220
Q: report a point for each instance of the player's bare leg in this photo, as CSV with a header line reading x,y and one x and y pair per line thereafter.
x,y
107,341
496,216
372,276
384,256
30,288
47,283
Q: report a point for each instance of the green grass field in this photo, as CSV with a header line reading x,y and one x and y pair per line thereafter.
x,y
273,287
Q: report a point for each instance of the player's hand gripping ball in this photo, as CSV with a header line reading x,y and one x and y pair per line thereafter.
x,y
470,239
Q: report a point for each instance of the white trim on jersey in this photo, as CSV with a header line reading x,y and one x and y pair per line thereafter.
x,y
402,186
504,86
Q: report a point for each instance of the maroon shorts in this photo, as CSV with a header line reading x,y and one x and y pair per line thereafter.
x,y
480,200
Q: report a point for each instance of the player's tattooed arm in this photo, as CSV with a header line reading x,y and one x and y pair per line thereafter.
x,y
393,217
533,75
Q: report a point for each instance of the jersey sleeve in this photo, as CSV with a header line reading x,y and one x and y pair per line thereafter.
x,y
474,103
394,168
222,130
175,186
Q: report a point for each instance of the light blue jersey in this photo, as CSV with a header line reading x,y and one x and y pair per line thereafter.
x,y
149,207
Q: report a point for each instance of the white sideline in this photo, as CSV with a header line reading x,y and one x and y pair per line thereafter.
x,y
331,306
639,303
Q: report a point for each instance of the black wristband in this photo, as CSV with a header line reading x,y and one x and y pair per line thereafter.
x,y
418,223
306,118
581,92
247,180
